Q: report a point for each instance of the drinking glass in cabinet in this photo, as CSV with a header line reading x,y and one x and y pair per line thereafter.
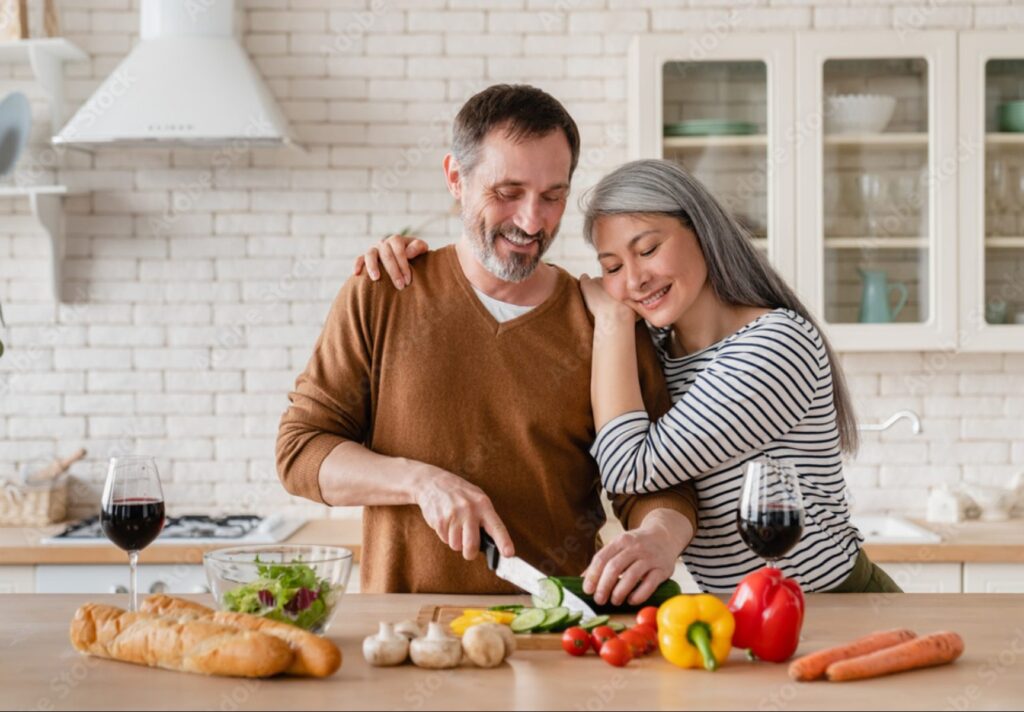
x,y
714,117
1004,189
876,233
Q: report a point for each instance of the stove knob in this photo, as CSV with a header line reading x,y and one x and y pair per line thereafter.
x,y
119,589
158,587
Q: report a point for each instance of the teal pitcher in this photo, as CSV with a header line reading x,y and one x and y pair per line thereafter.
x,y
874,301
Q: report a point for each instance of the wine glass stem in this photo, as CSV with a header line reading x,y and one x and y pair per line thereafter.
x,y
133,582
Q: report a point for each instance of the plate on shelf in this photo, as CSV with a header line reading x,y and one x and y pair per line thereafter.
x,y
710,127
15,127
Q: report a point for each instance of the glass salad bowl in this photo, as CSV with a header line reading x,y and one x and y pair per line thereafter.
x,y
300,585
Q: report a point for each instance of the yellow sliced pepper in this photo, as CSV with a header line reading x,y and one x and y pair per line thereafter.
x,y
695,631
474,616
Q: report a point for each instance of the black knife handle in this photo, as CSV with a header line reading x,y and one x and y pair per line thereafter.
x,y
490,550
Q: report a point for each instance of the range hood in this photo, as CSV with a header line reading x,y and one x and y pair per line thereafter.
x,y
188,82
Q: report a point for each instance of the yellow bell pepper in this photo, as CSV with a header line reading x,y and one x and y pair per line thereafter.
x,y
695,631
473,616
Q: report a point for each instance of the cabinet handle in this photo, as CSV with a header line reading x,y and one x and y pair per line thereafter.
x,y
158,587
119,589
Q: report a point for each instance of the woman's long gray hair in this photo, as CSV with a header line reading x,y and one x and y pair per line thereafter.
x,y
738,273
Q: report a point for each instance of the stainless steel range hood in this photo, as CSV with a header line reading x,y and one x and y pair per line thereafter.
x,y
188,82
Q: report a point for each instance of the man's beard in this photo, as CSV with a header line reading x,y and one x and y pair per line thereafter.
x,y
517,266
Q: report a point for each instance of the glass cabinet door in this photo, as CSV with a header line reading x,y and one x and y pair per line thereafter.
x,y
992,189
874,251
722,113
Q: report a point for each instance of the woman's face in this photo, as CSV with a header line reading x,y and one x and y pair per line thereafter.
x,y
652,263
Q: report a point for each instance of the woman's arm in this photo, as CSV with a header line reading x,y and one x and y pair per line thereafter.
x,y
757,389
394,252
614,379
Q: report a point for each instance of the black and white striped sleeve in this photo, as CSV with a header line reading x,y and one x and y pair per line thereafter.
x,y
757,388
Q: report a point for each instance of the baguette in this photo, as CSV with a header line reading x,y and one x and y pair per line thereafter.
x,y
198,646
314,656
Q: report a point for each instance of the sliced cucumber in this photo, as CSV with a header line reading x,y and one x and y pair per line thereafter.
x,y
528,620
574,619
508,607
617,627
549,594
592,623
554,618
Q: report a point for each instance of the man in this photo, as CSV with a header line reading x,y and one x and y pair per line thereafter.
x,y
462,401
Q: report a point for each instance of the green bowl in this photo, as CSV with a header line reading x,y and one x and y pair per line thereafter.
x,y
1011,116
709,127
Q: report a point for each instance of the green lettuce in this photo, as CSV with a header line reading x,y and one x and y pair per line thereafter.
x,y
290,593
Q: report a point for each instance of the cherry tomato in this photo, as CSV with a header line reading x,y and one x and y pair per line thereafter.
x,y
599,635
648,615
636,640
576,641
649,633
616,652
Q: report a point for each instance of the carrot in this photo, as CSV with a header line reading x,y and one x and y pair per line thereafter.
x,y
813,666
934,649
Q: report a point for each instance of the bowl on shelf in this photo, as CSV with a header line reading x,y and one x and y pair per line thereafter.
x,y
294,584
858,113
709,127
1011,116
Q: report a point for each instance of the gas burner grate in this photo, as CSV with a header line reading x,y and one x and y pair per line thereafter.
x,y
186,526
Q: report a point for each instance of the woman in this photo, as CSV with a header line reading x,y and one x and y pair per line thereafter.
x,y
748,370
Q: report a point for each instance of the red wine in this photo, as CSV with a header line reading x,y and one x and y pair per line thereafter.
x,y
133,524
771,532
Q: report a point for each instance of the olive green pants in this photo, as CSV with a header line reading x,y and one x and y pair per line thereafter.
x,y
867,577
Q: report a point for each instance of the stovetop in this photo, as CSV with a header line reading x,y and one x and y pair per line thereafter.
x,y
194,529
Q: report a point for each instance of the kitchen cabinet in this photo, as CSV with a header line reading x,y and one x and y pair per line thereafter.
x,y
901,231
991,165
109,578
993,578
17,579
721,106
918,577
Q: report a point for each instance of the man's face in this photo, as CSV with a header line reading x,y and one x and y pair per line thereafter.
x,y
513,200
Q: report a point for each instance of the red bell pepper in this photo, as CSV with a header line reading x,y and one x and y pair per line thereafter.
x,y
769,612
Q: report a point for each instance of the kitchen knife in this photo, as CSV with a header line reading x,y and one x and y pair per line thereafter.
x,y
519,573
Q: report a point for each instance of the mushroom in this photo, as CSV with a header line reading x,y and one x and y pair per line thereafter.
x,y
436,649
409,628
386,648
485,645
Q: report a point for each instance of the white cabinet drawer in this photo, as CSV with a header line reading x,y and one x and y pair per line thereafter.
x,y
16,579
79,578
915,577
993,578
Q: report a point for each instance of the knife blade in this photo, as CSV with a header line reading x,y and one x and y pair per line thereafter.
x,y
522,575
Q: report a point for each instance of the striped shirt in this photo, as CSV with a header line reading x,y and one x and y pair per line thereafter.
x,y
765,389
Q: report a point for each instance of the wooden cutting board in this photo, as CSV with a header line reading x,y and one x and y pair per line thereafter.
x,y
526,641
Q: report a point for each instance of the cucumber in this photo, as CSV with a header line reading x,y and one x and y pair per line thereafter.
x,y
508,608
665,591
617,627
528,620
574,619
549,594
594,622
554,618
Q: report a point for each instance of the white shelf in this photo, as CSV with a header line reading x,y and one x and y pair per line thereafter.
x,y
46,57
876,243
877,139
761,243
1004,241
46,202
1005,138
701,142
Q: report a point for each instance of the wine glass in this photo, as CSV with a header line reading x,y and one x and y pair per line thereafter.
x,y
132,510
771,513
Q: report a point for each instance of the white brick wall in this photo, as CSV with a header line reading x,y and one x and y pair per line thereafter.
x,y
199,280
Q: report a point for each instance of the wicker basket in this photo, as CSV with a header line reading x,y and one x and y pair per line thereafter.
x,y
33,505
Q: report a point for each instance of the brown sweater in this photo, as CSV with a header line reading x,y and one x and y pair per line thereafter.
x,y
427,373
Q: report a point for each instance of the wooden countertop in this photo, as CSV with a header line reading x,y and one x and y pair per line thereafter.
x,y
21,545
40,670
992,542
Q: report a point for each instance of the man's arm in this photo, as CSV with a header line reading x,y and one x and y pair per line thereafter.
x,y
320,455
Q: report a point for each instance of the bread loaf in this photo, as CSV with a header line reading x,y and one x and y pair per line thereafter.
x,y
314,656
199,646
